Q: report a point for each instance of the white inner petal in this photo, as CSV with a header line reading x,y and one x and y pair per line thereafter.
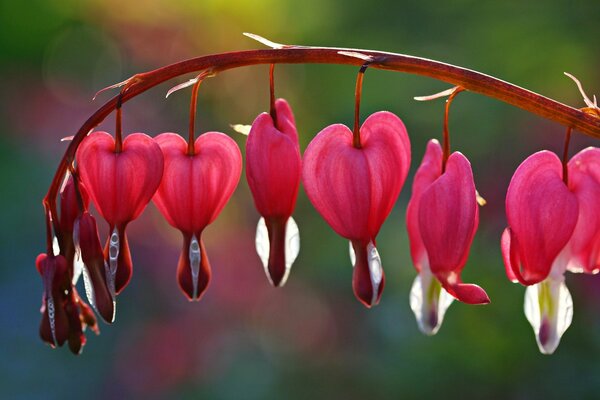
x,y
113,257
292,246
375,269
352,255
195,258
262,246
549,309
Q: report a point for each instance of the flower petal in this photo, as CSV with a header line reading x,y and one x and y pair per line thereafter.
x,y
273,163
541,214
194,189
429,170
353,189
584,182
120,184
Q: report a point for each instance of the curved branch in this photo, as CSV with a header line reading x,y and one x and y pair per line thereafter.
x,y
471,80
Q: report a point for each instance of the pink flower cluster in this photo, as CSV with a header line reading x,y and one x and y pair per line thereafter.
x,y
554,226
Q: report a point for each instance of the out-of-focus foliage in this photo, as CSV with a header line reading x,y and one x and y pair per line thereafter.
x,y
311,339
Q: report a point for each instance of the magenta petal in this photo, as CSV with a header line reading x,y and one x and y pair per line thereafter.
x,y
429,170
467,292
273,163
355,189
120,184
541,214
584,182
448,216
507,254
194,189
448,219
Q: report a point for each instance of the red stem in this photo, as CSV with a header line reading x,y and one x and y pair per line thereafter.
x,y
272,110
193,106
446,144
565,160
119,124
468,79
357,97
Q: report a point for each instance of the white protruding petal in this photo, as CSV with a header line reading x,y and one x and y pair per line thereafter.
x,y
55,246
352,255
549,309
429,302
89,289
113,258
375,269
195,258
77,261
292,247
262,246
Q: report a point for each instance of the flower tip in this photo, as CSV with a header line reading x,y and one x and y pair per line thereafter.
x,y
470,293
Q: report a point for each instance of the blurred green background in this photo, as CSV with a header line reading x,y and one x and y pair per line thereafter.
x,y
311,339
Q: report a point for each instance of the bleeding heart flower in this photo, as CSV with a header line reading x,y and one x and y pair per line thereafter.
x,y
96,272
193,191
273,170
354,189
552,226
64,314
441,219
120,184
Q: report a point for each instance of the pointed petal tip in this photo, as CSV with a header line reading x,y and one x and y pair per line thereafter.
x,y
470,293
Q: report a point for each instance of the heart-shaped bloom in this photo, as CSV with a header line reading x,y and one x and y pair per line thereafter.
x,y
552,226
354,189
120,184
193,191
441,219
273,171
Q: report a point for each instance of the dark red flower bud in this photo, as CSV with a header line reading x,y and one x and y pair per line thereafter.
x,y
54,328
70,208
98,280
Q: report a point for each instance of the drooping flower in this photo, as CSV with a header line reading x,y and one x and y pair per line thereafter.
x,y
441,220
121,182
553,226
96,273
354,189
273,171
64,314
193,191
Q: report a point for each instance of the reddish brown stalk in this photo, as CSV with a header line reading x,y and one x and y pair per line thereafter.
x,y
193,105
565,160
446,144
357,97
272,110
468,79
119,124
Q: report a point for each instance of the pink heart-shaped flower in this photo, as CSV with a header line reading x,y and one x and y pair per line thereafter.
x,y
120,185
273,171
354,189
193,191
